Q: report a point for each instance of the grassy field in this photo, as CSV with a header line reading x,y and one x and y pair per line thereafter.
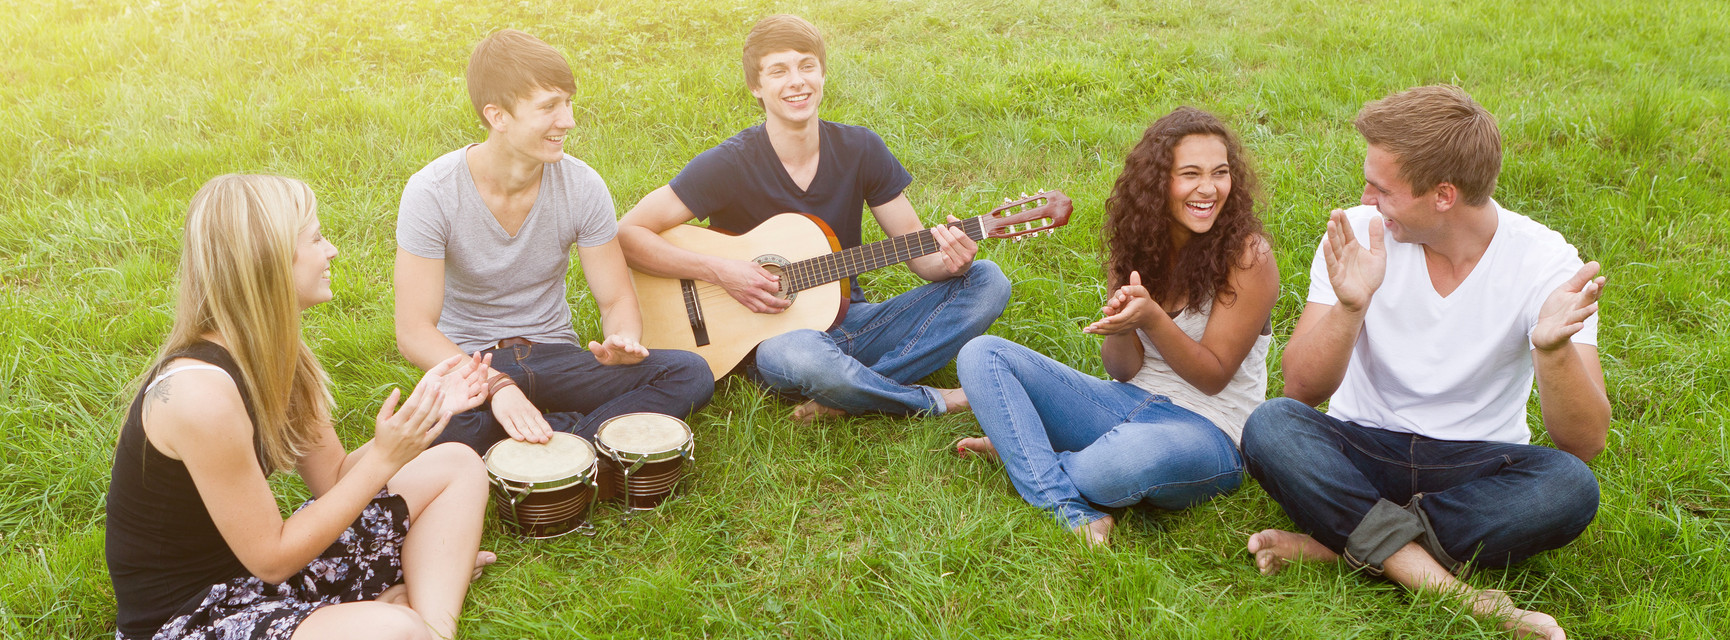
x,y
1614,113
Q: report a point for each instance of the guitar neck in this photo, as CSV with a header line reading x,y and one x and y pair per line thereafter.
x,y
847,263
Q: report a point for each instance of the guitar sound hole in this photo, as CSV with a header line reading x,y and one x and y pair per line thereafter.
x,y
775,268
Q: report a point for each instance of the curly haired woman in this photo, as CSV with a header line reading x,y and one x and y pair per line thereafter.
x,y
196,545
1186,333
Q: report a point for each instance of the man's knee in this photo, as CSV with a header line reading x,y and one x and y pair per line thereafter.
x,y
688,377
796,360
987,282
1568,491
1273,427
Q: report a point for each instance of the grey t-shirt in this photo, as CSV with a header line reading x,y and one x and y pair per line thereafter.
x,y
498,286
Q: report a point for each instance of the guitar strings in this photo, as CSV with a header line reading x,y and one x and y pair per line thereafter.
x,y
824,269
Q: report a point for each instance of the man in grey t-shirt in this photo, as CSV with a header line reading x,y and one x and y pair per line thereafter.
x,y
484,235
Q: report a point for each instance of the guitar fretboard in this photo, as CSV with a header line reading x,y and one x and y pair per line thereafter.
x,y
847,263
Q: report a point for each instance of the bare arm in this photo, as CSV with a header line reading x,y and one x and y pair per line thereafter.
x,y
621,320
646,251
955,251
1321,344
420,290
1570,377
205,425
1232,330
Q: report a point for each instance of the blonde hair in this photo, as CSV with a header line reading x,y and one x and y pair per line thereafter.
x,y
1440,134
236,280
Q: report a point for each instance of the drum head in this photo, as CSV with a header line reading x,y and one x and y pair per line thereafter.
x,y
643,433
565,456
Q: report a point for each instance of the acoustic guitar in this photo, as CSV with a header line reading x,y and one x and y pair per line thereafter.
x,y
699,316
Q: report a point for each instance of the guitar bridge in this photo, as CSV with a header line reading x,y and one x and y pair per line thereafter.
x,y
694,312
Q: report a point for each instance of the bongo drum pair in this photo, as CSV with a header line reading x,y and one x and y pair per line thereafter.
x,y
546,490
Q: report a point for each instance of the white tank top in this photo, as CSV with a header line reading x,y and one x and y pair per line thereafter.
x,y
1230,407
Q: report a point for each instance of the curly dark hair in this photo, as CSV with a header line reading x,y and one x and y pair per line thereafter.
x,y
1137,231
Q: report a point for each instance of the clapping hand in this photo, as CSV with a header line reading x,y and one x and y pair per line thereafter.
x,y
1564,313
618,350
1126,310
1355,271
403,433
463,380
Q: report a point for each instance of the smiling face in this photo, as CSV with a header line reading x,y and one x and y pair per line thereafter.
x,y
536,125
790,84
1409,217
1200,183
312,256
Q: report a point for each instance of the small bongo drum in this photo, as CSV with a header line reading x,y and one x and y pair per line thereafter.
x,y
649,451
544,490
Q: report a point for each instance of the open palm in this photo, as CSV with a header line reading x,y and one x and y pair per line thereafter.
x,y
1355,271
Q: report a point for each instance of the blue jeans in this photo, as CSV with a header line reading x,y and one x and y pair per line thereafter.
x,y
1365,492
576,393
1069,440
870,362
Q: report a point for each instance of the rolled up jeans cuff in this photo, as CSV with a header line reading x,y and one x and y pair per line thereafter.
x,y
1428,540
1385,529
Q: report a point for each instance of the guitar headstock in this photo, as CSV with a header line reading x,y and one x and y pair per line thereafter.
x,y
1043,211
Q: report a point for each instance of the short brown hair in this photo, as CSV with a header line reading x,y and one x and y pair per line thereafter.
x,y
780,32
509,64
1439,134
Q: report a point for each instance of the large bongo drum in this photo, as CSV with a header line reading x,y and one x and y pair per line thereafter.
x,y
543,490
649,451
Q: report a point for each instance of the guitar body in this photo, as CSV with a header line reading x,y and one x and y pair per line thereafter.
x,y
732,330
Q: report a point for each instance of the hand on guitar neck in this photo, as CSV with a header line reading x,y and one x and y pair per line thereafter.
x,y
956,249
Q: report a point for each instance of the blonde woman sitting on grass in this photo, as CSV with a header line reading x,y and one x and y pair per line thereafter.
x,y
196,545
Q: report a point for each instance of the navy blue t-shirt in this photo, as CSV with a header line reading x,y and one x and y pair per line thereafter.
x,y
740,183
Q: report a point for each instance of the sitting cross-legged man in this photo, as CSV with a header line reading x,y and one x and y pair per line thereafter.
x,y
1431,309
484,238
798,162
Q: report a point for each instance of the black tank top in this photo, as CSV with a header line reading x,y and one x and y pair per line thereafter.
x,y
163,550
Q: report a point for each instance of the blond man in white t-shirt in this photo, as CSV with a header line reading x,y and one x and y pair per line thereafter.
x,y
1431,310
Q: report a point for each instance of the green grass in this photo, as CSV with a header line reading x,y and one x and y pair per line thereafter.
x,y
113,113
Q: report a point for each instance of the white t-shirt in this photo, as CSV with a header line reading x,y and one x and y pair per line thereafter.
x,y
1460,367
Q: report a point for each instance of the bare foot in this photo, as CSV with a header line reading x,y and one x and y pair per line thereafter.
x,y
397,594
482,559
1098,532
954,401
811,411
1273,548
1495,604
969,447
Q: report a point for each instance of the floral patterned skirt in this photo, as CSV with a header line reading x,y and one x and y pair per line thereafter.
x,y
364,561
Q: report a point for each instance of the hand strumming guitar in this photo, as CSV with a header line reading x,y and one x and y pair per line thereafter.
x,y
750,284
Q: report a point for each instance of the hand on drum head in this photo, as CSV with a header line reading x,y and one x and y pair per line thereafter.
x,y
401,433
519,417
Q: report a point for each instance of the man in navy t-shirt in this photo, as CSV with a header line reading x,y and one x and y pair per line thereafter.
x,y
797,162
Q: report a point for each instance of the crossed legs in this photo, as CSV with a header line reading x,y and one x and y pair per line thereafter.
x,y
446,491
1476,503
